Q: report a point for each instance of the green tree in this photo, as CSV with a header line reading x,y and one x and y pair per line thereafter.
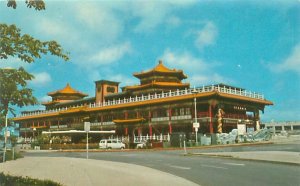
x,y
25,47
37,4
14,90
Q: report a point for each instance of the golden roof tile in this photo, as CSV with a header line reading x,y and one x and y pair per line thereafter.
x,y
162,69
67,90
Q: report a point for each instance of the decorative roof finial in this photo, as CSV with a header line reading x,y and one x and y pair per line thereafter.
x,y
160,61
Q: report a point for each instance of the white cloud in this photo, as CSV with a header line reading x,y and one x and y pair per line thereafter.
x,y
110,54
57,28
209,78
184,60
152,13
41,79
199,71
13,62
124,80
52,27
291,63
45,99
101,18
174,21
207,35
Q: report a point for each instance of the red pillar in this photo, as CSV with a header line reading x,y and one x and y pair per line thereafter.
x,y
150,126
211,129
170,117
150,130
170,128
126,131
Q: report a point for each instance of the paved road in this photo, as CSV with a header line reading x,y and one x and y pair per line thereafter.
x,y
83,172
294,147
205,170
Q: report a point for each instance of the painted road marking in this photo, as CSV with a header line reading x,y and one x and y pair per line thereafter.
x,y
235,164
211,166
180,167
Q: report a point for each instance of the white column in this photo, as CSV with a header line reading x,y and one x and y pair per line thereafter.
x,y
257,125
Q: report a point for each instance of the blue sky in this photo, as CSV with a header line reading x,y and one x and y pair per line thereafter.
x,y
250,44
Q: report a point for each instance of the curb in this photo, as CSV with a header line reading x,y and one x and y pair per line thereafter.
x,y
154,149
240,158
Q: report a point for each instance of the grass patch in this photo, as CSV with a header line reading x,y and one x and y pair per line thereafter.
x,y
8,180
9,156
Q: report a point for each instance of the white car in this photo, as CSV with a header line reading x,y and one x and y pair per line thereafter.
x,y
111,144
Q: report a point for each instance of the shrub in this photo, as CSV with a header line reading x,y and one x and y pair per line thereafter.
x,y
8,180
8,156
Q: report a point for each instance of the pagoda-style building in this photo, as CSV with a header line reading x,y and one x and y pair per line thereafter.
x,y
67,94
157,80
159,106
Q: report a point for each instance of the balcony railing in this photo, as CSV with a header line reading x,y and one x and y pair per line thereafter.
x,y
204,89
160,137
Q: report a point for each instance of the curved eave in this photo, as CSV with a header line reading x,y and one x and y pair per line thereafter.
x,y
179,74
54,114
68,90
54,94
157,84
231,96
38,127
74,110
125,121
50,103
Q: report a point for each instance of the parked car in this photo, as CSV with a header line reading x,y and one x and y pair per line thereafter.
x,y
111,144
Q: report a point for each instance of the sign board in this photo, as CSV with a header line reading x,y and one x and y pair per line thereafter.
x,y
87,126
8,133
241,129
196,125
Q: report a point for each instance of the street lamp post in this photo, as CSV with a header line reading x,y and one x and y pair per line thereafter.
x,y
87,127
5,138
195,124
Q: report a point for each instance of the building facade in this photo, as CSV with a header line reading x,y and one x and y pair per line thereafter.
x,y
160,105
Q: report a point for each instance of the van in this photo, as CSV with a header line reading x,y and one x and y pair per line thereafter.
x,y
111,144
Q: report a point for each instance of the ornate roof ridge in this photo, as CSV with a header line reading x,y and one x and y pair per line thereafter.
x,y
67,90
159,68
